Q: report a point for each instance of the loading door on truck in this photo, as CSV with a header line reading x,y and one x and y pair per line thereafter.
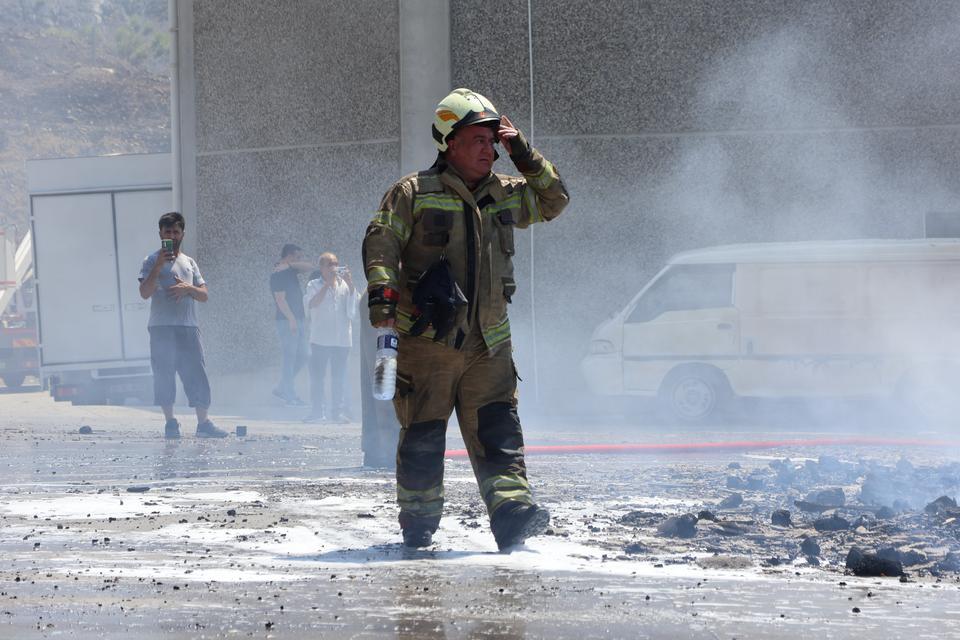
x,y
89,249
137,213
77,278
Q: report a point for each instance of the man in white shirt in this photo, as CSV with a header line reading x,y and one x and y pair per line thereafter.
x,y
331,305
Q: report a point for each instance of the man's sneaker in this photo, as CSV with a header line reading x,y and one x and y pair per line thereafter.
x,y
514,522
280,394
295,402
171,430
417,538
207,429
315,417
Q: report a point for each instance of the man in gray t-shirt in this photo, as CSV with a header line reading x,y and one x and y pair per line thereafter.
x,y
167,310
172,282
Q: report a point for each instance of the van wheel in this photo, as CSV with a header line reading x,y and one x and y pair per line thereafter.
x,y
694,394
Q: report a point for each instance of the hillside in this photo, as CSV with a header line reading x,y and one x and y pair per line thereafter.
x,y
79,78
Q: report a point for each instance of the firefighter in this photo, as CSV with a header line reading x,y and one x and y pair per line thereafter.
x,y
438,260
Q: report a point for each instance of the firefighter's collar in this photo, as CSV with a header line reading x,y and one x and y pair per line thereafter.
x,y
454,175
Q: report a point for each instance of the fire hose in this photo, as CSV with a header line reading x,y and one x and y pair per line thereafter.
x,y
725,446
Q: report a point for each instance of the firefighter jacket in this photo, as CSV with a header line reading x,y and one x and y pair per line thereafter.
x,y
433,213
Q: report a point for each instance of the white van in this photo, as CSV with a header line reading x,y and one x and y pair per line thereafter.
x,y
876,318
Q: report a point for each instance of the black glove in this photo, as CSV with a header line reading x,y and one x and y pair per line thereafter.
x,y
521,153
437,297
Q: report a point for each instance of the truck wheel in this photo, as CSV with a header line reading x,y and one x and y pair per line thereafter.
x,y
694,394
14,381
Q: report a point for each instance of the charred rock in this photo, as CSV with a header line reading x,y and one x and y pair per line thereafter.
x,y
863,563
780,518
810,546
732,501
831,523
734,482
941,504
639,518
832,497
684,526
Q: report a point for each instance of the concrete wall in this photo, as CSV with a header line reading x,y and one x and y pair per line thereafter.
x,y
297,132
676,125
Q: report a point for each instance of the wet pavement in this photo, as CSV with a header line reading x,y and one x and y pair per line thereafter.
x,y
282,534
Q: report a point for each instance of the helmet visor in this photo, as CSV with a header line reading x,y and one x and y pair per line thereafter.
x,y
491,118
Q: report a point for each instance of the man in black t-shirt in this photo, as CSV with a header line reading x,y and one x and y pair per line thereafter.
x,y
290,320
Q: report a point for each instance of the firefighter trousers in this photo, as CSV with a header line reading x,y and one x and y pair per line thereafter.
x,y
433,380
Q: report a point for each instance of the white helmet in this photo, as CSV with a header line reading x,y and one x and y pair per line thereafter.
x,y
461,108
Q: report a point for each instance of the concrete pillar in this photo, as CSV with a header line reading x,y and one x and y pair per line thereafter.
x,y
424,77
185,122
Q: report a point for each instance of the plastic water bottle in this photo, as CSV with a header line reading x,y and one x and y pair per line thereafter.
x,y
385,368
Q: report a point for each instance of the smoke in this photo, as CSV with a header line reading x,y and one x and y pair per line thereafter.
x,y
792,157
815,130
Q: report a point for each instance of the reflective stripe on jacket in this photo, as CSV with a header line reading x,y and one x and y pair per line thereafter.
x,y
431,213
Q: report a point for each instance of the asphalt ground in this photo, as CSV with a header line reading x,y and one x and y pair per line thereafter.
x,y
121,534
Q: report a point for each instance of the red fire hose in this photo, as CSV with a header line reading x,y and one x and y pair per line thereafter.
x,y
733,445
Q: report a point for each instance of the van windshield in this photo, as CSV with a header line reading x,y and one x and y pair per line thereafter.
x,y
686,287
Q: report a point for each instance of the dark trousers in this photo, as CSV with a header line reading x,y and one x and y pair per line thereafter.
x,y
293,347
173,351
433,380
337,358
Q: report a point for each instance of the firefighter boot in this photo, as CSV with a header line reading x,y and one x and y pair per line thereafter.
x,y
514,522
416,537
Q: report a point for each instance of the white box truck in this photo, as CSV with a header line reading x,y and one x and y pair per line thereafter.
x,y
93,221
7,268
870,318
18,330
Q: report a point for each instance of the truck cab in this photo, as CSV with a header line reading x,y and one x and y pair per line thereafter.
x,y
18,319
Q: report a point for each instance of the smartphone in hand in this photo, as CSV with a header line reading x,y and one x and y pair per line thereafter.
x,y
166,245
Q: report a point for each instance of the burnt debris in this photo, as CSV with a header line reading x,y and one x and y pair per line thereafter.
x,y
831,523
780,518
684,526
732,501
866,564
942,505
865,518
810,546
